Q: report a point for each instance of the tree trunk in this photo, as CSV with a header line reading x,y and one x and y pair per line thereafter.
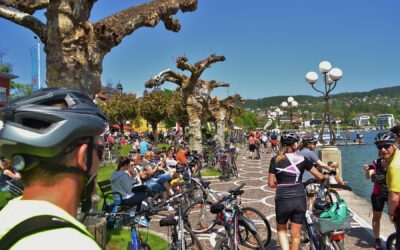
x,y
194,111
73,58
154,129
220,120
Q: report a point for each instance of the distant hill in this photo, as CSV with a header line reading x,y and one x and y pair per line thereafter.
x,y
262,103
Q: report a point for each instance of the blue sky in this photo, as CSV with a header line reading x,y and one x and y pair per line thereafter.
x,y
269,45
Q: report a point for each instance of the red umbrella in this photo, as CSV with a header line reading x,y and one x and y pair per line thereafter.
x,y
126,127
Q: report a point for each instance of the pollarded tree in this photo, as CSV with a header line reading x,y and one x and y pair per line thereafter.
x,y
195,91
74,46
220,111
154,109
120,108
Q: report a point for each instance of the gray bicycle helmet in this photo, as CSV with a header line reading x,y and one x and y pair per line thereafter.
x,y
288,138
386,136
34,127
309,139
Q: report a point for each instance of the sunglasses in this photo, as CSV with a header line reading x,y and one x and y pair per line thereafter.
x,y
99,150
385,146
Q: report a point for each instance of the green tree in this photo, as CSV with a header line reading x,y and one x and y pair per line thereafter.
x,y
154,109
75,47
120,108
19,90
177,111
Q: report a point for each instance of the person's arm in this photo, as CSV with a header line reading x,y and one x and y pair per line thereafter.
x,y
314,171
323,165
271,174
271,180
393,201
368,172
11,174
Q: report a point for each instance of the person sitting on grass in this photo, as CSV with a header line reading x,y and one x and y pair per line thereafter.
x,y
9,174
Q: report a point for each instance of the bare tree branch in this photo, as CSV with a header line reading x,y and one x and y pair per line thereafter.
x,y
182,64
112,29
206,63
213,84
27,6
25,20
166,75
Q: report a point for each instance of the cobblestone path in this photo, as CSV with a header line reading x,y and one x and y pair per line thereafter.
x,y
258,195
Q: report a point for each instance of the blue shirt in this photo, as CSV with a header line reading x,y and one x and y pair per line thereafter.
x,y
144,145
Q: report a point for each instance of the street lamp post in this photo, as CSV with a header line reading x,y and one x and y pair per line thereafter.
x,y
290,104
331,76
278,113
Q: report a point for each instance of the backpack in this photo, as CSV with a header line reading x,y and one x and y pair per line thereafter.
x,y
35,225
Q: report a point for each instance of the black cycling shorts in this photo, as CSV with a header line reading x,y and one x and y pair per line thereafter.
x,y
291,209
252,147
378,202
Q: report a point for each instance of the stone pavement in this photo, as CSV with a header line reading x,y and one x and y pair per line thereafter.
x,y
259,195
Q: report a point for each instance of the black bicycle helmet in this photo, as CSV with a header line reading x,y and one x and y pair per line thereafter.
x,y
386,136
44,124
288,138
309,139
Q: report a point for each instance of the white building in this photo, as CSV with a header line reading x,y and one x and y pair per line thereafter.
x,y
362,120
384,121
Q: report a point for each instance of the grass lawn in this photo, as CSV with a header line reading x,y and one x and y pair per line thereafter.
x,y
4,198
118,239
210,172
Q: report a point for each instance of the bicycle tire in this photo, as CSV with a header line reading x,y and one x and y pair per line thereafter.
x,y
256,242
193,217
193,243
391,242
264,229
315,240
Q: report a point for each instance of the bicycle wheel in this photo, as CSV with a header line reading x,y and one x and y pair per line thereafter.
x,y
199,218
339,244
391,242
191,241
261,223
248,236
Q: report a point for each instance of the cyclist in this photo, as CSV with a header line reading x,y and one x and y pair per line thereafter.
x,y
285,172
51,136
391,155
377,173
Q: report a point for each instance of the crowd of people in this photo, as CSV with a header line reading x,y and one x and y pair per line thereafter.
x,y
57,146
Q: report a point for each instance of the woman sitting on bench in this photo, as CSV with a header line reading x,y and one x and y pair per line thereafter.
x,y
122,183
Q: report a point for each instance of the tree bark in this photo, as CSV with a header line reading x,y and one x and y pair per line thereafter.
x,y
154,129
221,131
195,136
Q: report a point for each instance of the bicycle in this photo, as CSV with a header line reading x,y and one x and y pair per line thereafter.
x,y
182,236
391,242
239,230
322,233
200,219
136,242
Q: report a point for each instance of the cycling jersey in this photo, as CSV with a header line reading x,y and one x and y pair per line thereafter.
x,y
381,187
393,173
18,210
288,173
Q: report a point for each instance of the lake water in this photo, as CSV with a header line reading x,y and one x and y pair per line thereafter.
x,y
353,159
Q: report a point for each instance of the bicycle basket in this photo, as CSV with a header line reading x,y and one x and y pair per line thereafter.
x,y
168,221
335,223
217,208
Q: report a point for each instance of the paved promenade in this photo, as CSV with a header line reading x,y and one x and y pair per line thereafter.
x,y
258,195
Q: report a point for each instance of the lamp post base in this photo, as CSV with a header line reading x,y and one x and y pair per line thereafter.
x,y
329,154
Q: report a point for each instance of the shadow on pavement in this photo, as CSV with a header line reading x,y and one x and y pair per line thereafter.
x,y
361,238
